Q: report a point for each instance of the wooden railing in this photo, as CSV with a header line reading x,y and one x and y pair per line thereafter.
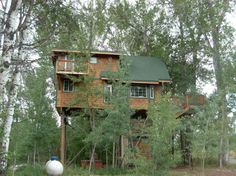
x,y
189,100
71,67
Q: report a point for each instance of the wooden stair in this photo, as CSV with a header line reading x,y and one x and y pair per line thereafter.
x,y
187,103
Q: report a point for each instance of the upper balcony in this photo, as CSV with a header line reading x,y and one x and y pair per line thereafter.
x,y
71,67
77,62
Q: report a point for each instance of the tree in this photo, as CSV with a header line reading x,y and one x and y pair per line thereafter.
x,y
117,119
8,31
187,59
17,26
205,133
160,132
34,134
140,28
217,37
107,123
201,37
11,27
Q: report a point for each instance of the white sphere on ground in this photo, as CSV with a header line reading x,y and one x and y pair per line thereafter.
x,y
54,167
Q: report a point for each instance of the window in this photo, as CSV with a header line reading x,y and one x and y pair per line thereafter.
x,y
93,60
152,92
138,91
107,93
68,86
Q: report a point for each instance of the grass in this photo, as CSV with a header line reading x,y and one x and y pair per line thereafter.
x,y
27,170
39,170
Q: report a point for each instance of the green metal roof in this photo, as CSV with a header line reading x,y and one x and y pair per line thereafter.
x,y
145,69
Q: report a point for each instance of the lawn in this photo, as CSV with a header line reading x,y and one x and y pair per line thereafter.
x,y
184,171
38,170
208,172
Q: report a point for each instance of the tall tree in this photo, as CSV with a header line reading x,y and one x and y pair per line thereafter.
x,y
186,17
160,133
11,26
218,38
35,134
13,34
139,27
17,34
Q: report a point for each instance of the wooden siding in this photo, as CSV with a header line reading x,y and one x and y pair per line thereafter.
x,y
103,64
84,67
79,99
138,103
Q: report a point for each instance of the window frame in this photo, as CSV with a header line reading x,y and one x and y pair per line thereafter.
x,y
138,87
152,92
107,93
70,85
95,61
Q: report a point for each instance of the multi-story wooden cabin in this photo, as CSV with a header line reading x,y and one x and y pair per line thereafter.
x,y
146,74
146,77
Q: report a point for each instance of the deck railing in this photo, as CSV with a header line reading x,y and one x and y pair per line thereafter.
x,y
189,100
71,67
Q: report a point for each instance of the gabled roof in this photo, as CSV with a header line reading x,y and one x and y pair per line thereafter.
x,y
145,69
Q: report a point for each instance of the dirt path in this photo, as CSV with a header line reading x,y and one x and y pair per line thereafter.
x,y
223,172
232,160
208,172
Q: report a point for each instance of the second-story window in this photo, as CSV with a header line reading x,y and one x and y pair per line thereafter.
x,y
107,93
138,91
68,86
93,60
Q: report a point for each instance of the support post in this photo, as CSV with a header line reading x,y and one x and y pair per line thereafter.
x,y
63,140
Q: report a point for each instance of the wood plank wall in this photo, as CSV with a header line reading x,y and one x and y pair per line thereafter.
x,y
105,63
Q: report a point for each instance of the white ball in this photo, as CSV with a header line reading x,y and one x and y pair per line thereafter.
x,y
54,167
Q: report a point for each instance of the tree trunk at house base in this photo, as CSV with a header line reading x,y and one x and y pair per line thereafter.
x,y
113,154
63,139
92,159
107,159
186,147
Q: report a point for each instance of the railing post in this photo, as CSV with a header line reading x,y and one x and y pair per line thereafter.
x,y
56,66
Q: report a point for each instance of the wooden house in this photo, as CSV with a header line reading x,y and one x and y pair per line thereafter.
x,y
146,76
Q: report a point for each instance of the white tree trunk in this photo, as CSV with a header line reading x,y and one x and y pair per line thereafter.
x,y
9,121
11,24
14,35
50,91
